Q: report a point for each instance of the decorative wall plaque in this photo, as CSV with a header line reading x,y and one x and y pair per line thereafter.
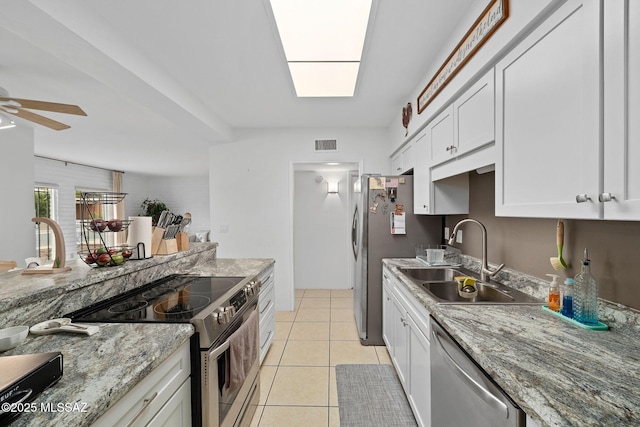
x,y
406,117
491,18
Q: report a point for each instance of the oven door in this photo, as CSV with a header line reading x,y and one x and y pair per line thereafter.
x,y
224,404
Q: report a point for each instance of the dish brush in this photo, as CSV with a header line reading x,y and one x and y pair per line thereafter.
x,y
558,262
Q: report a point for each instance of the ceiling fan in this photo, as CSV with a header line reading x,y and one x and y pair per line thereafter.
x,y
20,108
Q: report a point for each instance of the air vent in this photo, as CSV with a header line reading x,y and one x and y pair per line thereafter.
x,y
326,145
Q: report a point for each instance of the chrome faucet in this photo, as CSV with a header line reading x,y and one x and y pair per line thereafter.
x,y
485,273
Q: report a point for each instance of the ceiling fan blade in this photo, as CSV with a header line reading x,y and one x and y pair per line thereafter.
x,y
48,106
41,120
6,102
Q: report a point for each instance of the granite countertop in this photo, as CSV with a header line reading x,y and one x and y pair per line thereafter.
x,y
234,267
558,373
100,369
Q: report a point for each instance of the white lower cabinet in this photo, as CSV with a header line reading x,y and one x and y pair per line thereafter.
x,y
405,332
267,310
162,398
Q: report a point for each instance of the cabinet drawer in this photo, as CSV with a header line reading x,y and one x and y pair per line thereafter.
x,y
266,298
151,394
267,330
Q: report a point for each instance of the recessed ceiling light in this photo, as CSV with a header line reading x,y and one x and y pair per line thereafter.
x,y
322,42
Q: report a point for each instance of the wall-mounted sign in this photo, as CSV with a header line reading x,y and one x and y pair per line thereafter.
x,y
491,18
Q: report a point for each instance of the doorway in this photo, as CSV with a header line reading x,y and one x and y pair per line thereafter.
x,y
322,204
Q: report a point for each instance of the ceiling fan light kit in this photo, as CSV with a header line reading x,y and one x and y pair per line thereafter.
x,y
6,123
20,108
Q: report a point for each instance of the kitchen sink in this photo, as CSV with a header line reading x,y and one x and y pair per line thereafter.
x,y
441,285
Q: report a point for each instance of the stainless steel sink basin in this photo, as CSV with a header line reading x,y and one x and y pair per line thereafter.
x,y
440,284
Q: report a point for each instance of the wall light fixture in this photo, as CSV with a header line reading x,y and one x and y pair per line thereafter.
x,y
332,187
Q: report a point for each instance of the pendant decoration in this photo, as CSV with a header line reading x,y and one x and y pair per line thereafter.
x,y
406,117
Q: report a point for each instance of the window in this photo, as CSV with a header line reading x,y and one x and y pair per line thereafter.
x,y
46,205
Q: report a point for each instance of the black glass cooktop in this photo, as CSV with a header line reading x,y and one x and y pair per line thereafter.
x,y
176,298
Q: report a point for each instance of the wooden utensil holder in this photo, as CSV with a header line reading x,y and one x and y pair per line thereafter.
x,y
183,241
156,239
167,246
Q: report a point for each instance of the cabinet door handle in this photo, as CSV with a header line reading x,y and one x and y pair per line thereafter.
x,y
581,198
606,197
145,404
266,306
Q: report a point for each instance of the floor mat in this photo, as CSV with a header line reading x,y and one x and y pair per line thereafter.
x,y
372,396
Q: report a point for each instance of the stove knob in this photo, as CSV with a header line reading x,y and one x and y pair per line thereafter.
x,y
230,311
220,316
248,290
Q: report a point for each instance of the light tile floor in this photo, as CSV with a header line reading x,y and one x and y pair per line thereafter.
x,y
297,376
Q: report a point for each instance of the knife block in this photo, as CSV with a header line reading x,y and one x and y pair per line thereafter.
x,y
156,240
167,246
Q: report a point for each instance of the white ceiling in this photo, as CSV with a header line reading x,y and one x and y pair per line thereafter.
x,y
160,80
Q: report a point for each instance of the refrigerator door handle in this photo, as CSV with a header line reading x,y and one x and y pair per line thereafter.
x,y
354,233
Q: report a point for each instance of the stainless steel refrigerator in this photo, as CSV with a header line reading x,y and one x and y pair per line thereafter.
x,y
382,213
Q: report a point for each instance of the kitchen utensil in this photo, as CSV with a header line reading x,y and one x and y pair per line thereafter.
x,y
183,224
12,337
55,324
162,219
558,262
62,324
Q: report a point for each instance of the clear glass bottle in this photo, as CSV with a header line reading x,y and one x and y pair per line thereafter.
x,y
585,300
567,297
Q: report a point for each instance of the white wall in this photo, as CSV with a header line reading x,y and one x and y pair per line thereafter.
x,y
17,239
250,186
321,231
180,193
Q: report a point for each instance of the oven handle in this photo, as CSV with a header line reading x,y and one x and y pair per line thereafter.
x,y
219,350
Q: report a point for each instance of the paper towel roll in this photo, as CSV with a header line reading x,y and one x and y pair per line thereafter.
x,y
140,231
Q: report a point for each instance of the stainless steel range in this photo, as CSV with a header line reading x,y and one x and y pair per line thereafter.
x,y
225,348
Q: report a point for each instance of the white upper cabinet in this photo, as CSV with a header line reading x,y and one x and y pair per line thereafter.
x,y
474,113
421,175
621,109
440,132
448,196
468,123
565,135
403,160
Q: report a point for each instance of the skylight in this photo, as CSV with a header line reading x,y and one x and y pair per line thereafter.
x,y
322,41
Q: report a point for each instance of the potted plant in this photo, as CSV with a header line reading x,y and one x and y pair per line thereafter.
x,y
153,208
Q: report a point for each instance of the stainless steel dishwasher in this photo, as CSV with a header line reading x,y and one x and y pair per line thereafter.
x,y
462,394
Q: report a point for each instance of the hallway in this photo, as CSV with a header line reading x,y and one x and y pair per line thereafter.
x,y
298,386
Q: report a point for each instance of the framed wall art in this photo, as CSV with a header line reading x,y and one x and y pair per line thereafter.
x,y
487,23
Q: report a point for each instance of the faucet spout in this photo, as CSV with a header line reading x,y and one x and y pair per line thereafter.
x,y
486,272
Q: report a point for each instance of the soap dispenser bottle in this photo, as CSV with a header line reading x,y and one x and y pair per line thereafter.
x,y
585,300
554,293
567,298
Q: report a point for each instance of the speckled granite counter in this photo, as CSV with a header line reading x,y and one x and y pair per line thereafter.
x,y
233,266
558,373
29,299
100,369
